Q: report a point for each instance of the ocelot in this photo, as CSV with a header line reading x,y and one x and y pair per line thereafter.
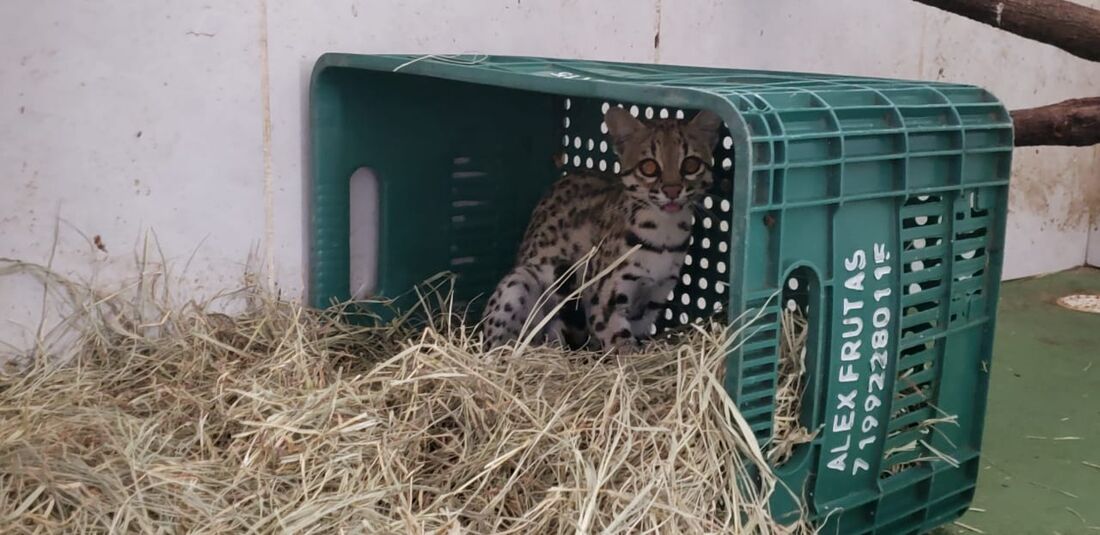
x,y
666,167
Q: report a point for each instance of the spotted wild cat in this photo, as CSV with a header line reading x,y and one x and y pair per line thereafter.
x,y
666,166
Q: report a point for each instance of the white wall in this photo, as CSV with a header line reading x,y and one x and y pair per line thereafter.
x,y
79,81
121,117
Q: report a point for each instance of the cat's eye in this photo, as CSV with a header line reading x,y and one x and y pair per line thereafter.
x,y
649,168
690,165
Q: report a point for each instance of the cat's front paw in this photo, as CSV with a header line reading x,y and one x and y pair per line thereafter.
x,y
626,345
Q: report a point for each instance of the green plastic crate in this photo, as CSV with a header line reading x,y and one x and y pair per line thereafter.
x,y
877,206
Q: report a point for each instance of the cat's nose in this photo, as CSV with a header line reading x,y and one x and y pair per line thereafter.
x,y
672,192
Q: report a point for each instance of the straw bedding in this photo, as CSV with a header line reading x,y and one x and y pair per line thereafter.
x,y
279,419
788,430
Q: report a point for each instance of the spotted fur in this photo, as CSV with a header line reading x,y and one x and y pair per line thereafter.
x,y
666,167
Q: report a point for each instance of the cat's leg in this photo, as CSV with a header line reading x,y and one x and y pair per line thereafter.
x,y
609,315
655,298
510,305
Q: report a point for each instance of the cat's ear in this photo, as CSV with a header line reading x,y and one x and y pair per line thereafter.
x,y
706,125
621,125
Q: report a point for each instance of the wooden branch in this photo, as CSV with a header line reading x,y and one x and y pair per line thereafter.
x,y
1066,25
1074,122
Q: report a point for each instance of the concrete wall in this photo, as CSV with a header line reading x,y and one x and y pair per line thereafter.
x,y
187,118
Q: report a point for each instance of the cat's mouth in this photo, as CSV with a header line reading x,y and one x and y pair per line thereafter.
x,y
672,207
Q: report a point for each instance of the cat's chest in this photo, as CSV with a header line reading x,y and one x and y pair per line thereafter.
x,y
658,231
661,248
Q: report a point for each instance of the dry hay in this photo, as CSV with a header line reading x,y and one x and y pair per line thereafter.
x,y
283,419
926,452
787,428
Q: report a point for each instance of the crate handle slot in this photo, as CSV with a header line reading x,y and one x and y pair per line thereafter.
x,y
363,232
801,311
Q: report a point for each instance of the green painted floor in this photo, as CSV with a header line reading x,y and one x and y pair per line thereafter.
x,y
1041,451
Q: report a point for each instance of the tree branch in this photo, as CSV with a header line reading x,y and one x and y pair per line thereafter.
x,y
1074,122
1066,25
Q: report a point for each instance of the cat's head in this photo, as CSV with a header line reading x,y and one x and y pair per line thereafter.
x,y
667,163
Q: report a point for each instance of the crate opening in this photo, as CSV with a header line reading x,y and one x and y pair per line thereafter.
x,y
486,165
